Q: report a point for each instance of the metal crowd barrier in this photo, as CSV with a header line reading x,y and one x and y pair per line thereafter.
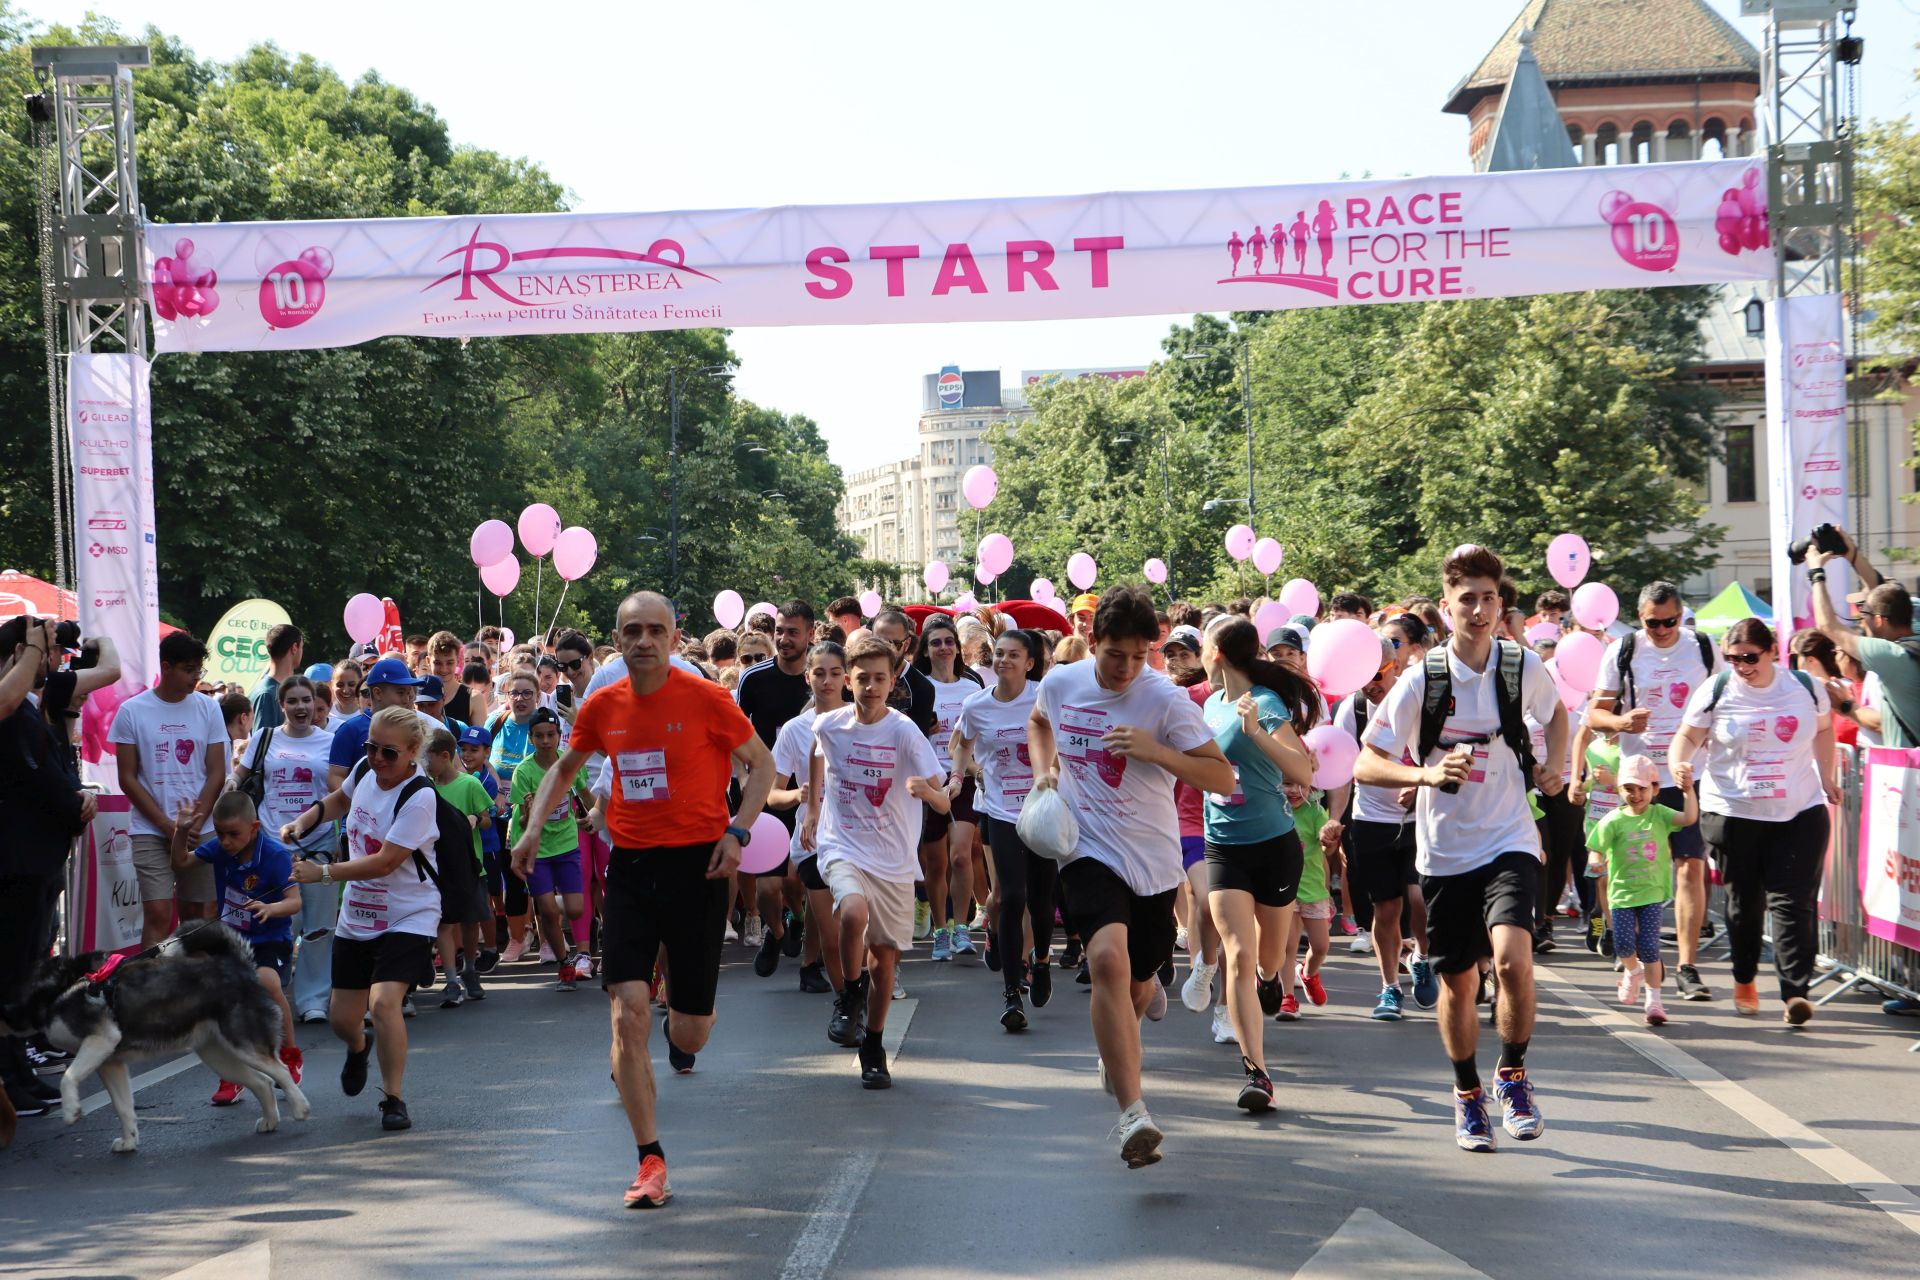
x,y
1849,955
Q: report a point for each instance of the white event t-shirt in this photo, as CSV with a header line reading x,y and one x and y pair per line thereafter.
x,y
1125,807
1371,804
866,816
403,900
295,779
1489,815
1760,751
1663,681
792,752
171,740
998,732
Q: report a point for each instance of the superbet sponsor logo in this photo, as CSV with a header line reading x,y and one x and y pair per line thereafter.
x,y
107,472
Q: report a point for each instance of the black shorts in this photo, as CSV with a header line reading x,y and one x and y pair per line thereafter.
x,y
358,963
1462,910
277,956
1382,857
1683,842
1098,897
1268,869
809,872
493,864
963,810
662,898
934,825
463,893
780,872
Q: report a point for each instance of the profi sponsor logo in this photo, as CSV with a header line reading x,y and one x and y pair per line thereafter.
x,y
1819,462
110,600
482,260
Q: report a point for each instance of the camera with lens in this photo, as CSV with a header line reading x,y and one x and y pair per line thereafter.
x,y
1825,537
66,634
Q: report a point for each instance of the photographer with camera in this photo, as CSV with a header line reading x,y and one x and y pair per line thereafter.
x,y
1885,646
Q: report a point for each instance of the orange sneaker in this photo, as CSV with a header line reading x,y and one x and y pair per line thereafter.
x,y
226,1095
291,1057
1746,998
650,1189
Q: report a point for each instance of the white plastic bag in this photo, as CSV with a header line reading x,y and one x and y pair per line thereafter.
x,y
1047,825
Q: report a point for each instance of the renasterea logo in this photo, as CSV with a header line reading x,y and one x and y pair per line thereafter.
x,y
482,260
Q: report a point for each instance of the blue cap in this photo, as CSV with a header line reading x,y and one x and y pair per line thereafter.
x,y
431,690
390,671
1302,621
475,736
320,672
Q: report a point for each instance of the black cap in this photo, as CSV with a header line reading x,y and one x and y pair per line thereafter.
x,y
543,715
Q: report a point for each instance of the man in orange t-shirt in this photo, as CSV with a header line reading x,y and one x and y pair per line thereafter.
x,y
671,741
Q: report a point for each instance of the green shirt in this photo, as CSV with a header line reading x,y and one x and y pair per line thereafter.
x,y
1639,862
561,835
1307,820
1899,688
466,794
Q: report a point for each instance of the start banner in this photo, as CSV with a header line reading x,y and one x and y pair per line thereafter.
x,y
279,286
1890,845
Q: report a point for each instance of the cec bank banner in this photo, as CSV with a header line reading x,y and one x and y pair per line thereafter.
x,y
239,642
287,285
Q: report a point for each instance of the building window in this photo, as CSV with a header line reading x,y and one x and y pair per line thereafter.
x,y
1742,482
943,501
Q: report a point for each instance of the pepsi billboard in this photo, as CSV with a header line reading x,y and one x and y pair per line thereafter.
x,y
954,388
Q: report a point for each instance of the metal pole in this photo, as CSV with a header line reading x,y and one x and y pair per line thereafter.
x,y
1246,387
673,483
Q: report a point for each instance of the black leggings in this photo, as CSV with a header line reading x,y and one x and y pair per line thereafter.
x,y
1772,867
1027,883
1563,839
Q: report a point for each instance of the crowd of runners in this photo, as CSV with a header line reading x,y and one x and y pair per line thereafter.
x,y
389,828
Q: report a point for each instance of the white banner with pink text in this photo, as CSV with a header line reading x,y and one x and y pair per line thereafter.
x,y
110,424
1890,845
1806,447
286,285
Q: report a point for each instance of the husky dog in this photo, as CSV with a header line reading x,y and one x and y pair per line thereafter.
x,y
200,992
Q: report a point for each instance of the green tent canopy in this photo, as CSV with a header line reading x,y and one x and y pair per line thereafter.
x,y
1727,608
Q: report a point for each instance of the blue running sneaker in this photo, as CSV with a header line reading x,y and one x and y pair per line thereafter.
x,y
1388,1010
942,945
1518,1114
1426,987
1471,1131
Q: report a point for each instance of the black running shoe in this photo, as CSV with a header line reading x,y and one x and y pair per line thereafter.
x,y
1166,973
1687,978
679,1059
1256,1095
1268,989
487,960
813,978
353,1072
1084,978
993,951
873,1063
1041,978
1014,1016
393,1115
768,958
1071,957
26,1102
844,1027
795,938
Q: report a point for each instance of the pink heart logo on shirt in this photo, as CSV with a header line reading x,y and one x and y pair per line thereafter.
x,y
876,792
1784,727
1677,693
183,749
1020,754
1111,767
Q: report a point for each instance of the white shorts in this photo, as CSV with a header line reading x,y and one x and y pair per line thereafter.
x,y
889,905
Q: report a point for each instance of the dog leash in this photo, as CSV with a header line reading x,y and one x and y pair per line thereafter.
x,y
100,979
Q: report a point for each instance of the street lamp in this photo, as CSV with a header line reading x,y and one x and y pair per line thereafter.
x,y
1756,314
1246,394
677,380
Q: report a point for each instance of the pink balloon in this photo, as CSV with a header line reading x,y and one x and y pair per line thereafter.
x,y
1041,590
766,607
979,486
768,845
539,527
364,616
1239,541
871,603
1267,555
502,576
1301,596
936,576
1267,618
1570,698
1578,659
966,603
1082,572
1568,559
1334,749
1345,655
1541,632
492,542
995,553
1155,570
728,609
1595,606
982,576
319,259
574,552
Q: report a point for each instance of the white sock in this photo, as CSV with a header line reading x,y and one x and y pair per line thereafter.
x,y
1134,1112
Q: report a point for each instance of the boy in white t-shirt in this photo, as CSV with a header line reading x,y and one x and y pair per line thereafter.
x,y
869,772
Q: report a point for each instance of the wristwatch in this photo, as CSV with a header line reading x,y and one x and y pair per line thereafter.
x,y
741,834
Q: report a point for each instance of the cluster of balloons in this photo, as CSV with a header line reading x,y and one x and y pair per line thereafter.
x,y
574,549
1575,666
1741,222
184,287
1243,545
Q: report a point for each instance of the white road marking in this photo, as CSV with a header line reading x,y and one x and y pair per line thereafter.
x,y
819,1243
1367,1246
1880,1191
252,1262
94,1101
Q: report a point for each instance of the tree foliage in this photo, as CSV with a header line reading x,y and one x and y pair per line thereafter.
x,y
1888,192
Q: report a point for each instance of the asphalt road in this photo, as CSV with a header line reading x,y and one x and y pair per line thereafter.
x,y
1728,1152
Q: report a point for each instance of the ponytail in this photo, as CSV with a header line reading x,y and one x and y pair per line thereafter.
x,y
1239,647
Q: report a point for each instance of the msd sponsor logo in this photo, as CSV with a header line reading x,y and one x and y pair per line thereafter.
x,y
599,271
99,549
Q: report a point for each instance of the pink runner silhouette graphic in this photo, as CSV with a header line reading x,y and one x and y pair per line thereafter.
x,y
1318,230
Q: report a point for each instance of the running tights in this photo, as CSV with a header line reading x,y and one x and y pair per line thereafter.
x,y
1027,883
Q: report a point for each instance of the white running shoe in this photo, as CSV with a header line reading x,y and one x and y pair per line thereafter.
x,y
1629,988
1139,1136
1197,991
756,931
1223,1026
1362,944
1180,938
1157,1003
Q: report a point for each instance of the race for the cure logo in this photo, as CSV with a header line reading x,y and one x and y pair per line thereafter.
x,y
951,386
1644,235
482,260
1368,248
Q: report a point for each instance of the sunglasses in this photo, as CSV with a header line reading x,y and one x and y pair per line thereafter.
x,y
1396,640
1744,659
389,754
574,665
1661,624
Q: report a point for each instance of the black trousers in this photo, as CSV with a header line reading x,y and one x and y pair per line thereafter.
x,y
26,916
1027,885
1772,868
1563,837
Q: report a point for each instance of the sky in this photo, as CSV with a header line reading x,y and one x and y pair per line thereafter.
x,y
746,104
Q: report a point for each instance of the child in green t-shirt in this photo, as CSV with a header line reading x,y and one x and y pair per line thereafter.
x,y
1634,840
1313,904
460,922
556,879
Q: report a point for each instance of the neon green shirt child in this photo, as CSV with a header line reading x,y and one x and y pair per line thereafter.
x,y
561,834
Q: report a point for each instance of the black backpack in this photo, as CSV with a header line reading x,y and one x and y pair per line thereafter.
x,y
1509,661
1625,667
453,832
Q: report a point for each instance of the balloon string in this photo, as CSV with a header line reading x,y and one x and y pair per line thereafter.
x,y
556,609
539,563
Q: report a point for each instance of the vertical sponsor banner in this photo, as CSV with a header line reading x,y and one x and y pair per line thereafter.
x,y
110,918
1890,845
110,429
1806,446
